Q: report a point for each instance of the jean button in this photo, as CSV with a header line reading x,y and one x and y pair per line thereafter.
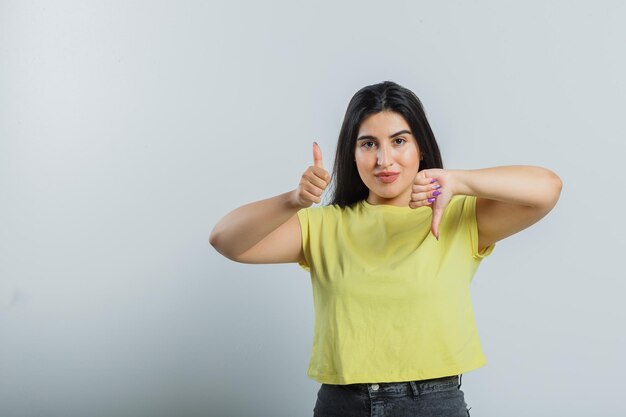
x,y
375,387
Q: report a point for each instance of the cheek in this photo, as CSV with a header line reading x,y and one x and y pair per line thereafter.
x,y
362,161
410,157
363,169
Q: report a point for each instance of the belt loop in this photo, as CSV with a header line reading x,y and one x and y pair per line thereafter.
x,y
415,389
460,379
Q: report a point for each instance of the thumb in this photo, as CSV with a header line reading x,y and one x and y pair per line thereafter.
x,y
434,226
317,155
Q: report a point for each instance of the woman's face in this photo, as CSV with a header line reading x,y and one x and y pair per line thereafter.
x,y
385,144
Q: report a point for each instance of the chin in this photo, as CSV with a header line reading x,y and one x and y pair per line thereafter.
x,y
387,194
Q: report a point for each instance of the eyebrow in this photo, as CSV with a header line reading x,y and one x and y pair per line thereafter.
x,y
370,137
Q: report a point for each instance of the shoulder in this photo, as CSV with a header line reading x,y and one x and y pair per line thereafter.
x,y
459,205
326,210
460,210
327,213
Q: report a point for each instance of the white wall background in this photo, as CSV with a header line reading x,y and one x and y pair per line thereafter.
x,y
129,128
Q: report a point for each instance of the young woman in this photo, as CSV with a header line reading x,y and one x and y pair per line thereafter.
x,y
391,257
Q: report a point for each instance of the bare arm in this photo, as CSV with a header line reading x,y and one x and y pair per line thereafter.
x,y
247,225
522,185
509,198
268,231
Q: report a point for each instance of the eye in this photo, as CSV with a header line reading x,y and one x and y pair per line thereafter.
x,y
400,139
365,143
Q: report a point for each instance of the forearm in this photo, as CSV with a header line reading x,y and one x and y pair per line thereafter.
x,y
517,184
247,225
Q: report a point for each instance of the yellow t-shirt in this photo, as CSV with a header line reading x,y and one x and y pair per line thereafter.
x,y
391,302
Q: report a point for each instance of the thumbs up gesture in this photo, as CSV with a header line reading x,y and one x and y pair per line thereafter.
x,y
313,182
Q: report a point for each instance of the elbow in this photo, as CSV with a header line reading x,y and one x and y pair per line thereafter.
x,y
213,238
557,180
554,193
558,184
215,241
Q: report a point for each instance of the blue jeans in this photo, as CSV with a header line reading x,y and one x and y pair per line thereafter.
x,y
437,397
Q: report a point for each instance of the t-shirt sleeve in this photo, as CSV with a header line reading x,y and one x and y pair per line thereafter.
x,y
469,217
303,217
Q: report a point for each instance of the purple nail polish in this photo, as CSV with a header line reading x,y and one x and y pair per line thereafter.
x,y
436,193
431,200
437,186
433,180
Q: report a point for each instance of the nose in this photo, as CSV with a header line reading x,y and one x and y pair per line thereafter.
x,y
383,156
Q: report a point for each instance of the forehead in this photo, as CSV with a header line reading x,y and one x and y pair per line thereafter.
x,y
383,123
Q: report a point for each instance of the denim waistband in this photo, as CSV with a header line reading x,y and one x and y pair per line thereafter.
x,y
413,388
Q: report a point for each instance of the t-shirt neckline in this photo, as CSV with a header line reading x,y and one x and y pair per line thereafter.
x,y
368,205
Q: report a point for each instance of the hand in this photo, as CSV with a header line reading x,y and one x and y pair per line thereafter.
x,y
313,182
423,189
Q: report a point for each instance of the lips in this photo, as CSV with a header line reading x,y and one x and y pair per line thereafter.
x,y
387,177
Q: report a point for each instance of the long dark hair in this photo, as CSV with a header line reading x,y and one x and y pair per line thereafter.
x,y
348,186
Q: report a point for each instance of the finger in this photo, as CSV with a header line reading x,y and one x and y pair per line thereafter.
x,y
418,204
434,226
425,177
424,195
425,181
414,203
313,190
317,155
310,196
425,188
315,179
321,173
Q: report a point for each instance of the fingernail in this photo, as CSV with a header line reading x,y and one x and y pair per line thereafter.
x,y
431,200
436,193
433,180
437,186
